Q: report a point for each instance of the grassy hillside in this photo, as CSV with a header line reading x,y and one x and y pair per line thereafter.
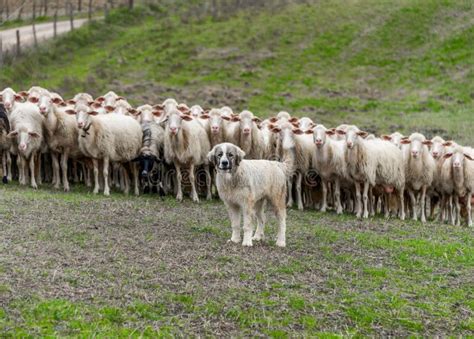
x,y
384,65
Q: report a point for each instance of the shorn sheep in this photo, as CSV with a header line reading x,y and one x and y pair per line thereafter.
x,y
370,163
108,137
186,146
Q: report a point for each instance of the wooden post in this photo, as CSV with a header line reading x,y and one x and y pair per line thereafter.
x,y
71,15
130,4
90,10
106,11
55,24
33,24
18,49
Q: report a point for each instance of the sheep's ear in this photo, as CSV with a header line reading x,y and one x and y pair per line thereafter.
x,y
96,105
273,120
1,97
293,120
295,125
71,102
468,156
427,142
297,131
186,117
12,134
93,112
204,116
70,111
362,134
257,120
34,134
404,138
405,141
309,131
23,94
386,137
225,117
235,119
157,113
276,130
100,99
120,98
56,101
133,111
447,155
158,106
109,108
330,132
340,132
18,98
448,143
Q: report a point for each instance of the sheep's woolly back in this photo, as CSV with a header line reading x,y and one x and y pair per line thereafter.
x,y
190,146
116,137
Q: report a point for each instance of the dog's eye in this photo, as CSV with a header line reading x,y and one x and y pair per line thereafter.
x,y
230,155
219,155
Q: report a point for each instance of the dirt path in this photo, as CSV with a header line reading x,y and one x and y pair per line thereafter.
x,y
43,32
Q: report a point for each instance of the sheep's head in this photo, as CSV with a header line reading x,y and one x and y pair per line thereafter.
x,y
437,147
83,115
8,96
458,155
23,137
215,121
418,144
319,135
175,121
352,135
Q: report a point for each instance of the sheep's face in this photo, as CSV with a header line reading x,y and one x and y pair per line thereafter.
x,y
305,124
319,135
45,103
23,137
83,116
352,135
175,122
8,97
437,149
246,125
417,146
215,123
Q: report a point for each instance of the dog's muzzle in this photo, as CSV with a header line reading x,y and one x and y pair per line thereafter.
x,y
224,165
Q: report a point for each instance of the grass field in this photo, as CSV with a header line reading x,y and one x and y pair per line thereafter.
x,y
78,264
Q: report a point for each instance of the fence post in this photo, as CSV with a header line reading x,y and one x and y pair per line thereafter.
x,y
106,11
90,10
71,15
33,24
18,49
130,4
55,24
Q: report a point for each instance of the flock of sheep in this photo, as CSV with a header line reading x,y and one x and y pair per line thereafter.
x,y
348,169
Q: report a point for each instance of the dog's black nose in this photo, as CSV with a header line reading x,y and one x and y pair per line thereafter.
x,y
144,174
224,163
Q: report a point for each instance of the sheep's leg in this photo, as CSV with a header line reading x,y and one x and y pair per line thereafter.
x,y
75,169
56,181
4,166
451,210
105,172
32,171
413,204
259,233
337,196
64,160
95,164
366,199
423,204
401,197
386,200
37,171
290,192
20,163
248,212
192,179
208,182
442,207
458,209
125,179
234,215
280,212
468,207
358,200
179,177
299,182
324,203
372,202
9,165
136,181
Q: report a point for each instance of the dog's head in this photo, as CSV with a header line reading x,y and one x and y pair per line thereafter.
x,y
226,157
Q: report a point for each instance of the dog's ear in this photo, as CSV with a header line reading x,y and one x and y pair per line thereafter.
x,y
239,156
211,157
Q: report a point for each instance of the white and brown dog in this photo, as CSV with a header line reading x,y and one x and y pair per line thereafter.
x,y
245,186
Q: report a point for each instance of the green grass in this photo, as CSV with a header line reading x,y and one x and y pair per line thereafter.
x,y
403,65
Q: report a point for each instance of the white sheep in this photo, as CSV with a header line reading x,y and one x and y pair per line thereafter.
x,y
186,145
108,137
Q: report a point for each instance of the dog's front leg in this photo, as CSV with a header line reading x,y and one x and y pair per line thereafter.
x,y
248,218
234,215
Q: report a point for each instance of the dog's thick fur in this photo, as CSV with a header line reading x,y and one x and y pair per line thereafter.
x,y
246,186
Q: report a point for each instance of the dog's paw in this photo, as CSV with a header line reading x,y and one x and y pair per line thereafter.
x,y
281,243
258,237
247,242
